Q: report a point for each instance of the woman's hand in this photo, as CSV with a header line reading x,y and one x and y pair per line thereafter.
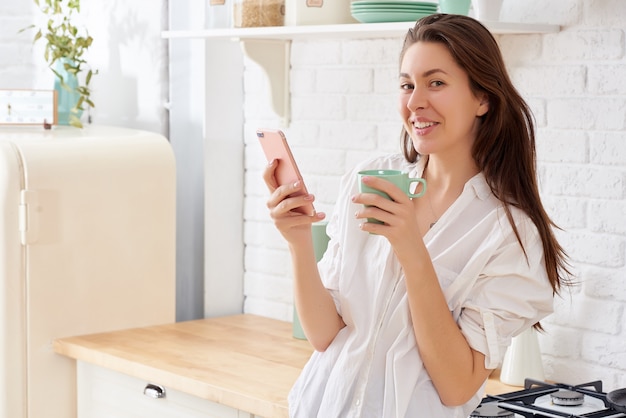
x,y
316,308
283,206
398,214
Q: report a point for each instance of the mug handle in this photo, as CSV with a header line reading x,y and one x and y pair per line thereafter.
x,y
417,180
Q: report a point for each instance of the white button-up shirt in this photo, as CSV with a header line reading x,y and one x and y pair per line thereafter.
x,y
494,291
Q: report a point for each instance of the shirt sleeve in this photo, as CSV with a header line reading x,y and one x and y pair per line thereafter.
x,y
510,295
331,264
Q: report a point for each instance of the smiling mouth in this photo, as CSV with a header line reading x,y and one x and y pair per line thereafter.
x,y
424,125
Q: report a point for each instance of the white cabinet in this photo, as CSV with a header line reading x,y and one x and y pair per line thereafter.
x,y
104,393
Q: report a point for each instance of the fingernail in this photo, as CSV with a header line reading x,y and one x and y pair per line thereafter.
x,y
296,184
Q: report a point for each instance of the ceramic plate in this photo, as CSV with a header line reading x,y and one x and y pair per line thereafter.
x,y
410,6
380,16
391,6
394,2
410,2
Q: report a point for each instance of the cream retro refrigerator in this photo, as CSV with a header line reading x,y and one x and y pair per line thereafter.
x,y
87,244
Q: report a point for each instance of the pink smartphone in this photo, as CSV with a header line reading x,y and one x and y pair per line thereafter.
x,y
275,146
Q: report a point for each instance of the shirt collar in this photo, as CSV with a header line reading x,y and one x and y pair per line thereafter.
x,y
480,186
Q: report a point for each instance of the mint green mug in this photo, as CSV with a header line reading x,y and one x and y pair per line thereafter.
x,y
400,178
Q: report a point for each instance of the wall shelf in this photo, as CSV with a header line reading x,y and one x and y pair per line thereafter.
x,y
270,46
350,30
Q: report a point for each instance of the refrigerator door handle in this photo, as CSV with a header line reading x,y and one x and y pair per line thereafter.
x,y
28,217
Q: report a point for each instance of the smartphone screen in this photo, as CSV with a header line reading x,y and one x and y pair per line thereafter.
x,y
275,146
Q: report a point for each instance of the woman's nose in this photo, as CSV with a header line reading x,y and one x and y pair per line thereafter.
x,y
417,100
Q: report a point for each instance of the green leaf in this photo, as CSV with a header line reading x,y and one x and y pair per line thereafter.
x,y
26,28
75,121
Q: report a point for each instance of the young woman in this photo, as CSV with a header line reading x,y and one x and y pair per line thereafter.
x,y
410,320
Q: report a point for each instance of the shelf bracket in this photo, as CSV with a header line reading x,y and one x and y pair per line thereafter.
x,y
273,57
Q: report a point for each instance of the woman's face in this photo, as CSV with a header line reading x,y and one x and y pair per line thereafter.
x,y
439,110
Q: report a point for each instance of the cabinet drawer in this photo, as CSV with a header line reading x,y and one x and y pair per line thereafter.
x,y
103,393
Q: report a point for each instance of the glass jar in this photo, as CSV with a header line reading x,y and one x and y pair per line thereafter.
x,y
219,14
255,13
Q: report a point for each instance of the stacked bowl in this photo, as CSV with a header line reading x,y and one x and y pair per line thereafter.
x,y
377,11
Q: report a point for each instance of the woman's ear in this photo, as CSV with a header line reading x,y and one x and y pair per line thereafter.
x,y
483,106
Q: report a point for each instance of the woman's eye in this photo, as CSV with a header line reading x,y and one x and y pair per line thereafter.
x,y
436,83
406,86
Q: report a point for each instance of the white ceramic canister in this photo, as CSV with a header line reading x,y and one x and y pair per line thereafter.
x,y
487,10
522,359
317,12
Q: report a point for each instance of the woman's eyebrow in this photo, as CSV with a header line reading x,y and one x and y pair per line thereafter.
x,y
433,71
425,73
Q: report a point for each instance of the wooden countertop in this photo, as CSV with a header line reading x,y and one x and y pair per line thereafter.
x,y
247,362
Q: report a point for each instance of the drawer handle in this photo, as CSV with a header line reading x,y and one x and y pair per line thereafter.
x,y
154,391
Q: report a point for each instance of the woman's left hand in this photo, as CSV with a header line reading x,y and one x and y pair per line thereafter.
x,y
398,214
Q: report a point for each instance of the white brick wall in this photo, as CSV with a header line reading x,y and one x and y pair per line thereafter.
x,y
127,52
16,61
344,109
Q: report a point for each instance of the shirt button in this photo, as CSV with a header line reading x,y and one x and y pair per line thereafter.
x,y
358,402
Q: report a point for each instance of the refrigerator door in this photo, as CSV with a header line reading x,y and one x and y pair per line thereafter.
x,y
97,216
12,305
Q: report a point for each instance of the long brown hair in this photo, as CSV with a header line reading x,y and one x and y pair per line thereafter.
x,y
504,148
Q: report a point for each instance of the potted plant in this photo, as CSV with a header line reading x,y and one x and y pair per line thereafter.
x,y
64,52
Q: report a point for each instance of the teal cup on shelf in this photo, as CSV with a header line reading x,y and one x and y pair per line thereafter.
x,y
455,7
320,243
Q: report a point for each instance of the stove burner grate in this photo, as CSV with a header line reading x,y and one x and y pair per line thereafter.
x,y
491,411
566,397
553,400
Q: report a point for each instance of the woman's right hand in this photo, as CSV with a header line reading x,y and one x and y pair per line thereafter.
x,y
316,308
292,224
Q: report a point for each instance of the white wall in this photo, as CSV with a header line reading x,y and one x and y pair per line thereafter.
x,y
128,52
344,109
17,68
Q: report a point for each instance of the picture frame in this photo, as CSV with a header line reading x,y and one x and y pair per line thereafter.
x,y
28,107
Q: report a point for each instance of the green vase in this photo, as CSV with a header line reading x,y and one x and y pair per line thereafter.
x,y
67,94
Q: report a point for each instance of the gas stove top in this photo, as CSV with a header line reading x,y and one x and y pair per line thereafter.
x,y
552,400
